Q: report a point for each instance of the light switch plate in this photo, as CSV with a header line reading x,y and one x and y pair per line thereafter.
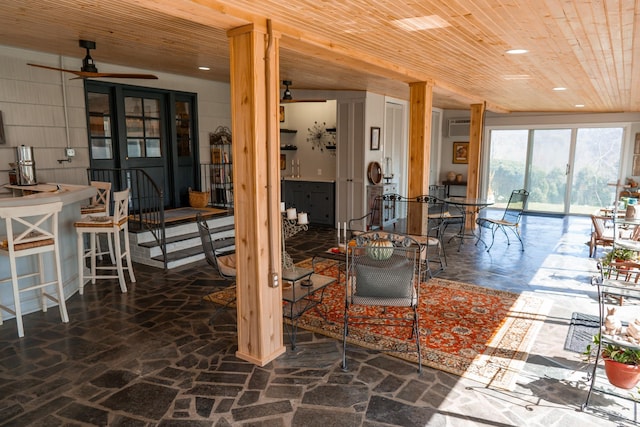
x,y
70,152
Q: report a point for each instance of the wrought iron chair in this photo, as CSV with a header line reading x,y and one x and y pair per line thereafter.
x,y
215,252
510,219
383,271
441,215
434,227
220,258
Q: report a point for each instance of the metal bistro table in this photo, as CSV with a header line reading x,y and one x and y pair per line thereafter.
x,y
466,206
304,292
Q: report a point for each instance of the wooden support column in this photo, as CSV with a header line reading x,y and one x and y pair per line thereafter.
x,y
420,109
475,148
254,103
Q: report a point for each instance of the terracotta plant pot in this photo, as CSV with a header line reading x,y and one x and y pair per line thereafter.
x,y
621,375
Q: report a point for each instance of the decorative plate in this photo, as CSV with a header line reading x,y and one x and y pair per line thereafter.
x,y
374,173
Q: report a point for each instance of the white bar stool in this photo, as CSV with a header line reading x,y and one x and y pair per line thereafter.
x,y
32,230
111,225
99,206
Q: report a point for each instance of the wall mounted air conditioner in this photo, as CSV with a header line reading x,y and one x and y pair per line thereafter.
x,y
459,127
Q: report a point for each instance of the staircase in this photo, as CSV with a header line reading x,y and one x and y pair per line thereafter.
x,y
183,243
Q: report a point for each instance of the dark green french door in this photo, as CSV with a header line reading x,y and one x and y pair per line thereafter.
x,y
142,128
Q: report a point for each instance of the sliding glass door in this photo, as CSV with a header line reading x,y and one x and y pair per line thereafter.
x,y
596,166
549,170
566,170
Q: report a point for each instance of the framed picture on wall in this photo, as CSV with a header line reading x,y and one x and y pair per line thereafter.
x,y
375,138
461,152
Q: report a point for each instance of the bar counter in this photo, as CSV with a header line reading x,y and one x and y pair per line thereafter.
x,y
72,198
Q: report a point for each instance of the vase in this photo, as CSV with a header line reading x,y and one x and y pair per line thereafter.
x,y
451,176
622,375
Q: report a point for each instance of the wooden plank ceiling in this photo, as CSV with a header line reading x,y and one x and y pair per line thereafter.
x,y
590,47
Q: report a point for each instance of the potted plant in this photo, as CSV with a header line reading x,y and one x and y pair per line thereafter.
x,y
621,363
618,255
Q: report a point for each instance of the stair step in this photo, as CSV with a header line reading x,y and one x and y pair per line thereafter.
x,y
183,244
188,236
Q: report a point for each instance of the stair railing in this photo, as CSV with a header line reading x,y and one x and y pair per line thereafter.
x,y
146,201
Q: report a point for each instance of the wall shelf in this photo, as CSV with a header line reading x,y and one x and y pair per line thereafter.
x,y
288,131
288,147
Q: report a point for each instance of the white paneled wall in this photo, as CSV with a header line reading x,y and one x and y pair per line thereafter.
x,y
33,110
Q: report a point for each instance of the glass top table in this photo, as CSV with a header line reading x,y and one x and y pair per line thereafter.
x,y
467,206
304,290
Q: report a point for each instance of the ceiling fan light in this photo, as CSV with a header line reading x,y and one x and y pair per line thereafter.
x,y
88,65
286,96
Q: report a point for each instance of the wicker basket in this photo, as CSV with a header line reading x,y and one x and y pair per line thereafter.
x,y
198,199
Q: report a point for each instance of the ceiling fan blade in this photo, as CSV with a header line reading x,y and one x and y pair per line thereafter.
x,y
91,75
120,75
77,73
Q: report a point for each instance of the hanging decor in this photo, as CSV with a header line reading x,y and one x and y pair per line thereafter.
x,y
320,138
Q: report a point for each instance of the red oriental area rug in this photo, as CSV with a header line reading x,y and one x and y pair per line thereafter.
x,y
467,330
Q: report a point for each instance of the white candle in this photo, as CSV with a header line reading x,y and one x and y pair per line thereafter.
x,y
291,213
345,232
302,218
282,208
338,233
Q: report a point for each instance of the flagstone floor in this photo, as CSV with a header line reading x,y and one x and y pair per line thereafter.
x,y
152,357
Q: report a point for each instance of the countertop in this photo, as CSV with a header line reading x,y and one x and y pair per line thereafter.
x,y
48,193
308,179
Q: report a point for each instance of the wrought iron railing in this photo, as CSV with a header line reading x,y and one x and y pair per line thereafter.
x,y
146,201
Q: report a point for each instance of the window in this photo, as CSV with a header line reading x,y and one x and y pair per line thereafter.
x,y
142,117
566,170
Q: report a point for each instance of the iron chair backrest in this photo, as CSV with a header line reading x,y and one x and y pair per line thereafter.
x,y
438,191
383,275
516,205
211,251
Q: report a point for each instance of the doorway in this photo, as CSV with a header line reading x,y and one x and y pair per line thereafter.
x,y
143,128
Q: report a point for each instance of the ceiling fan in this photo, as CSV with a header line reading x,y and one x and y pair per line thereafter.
x,y
287,98
89,69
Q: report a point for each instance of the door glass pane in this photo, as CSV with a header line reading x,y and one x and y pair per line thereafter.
x,y
507,164
153,148
134,127
183,129
152,108
597,161
152,128
101,148
548,171
132,106
100,125
135,148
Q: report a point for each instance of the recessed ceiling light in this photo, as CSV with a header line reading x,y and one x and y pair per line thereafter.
x,y
579,105
517,51
558,89
421,23
204,68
